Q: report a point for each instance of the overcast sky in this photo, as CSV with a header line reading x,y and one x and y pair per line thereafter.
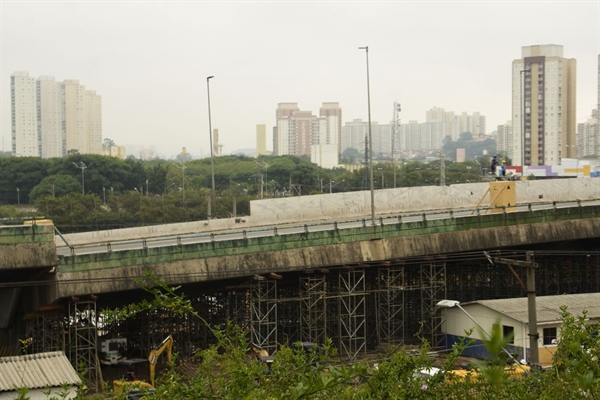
x,y
149,60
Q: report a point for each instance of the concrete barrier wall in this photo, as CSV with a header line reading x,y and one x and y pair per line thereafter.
x,y
353,204
356,204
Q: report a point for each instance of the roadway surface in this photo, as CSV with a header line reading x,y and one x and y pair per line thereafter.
x,y
289,229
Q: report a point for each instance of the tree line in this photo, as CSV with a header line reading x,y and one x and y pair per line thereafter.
x,y
88,192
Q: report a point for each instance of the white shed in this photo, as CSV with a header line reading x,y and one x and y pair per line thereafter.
x,y
42,374
512,315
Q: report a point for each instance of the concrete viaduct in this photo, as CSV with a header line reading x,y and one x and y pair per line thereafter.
x,y
34,276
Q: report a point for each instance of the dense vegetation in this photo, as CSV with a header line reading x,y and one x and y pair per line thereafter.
x,y
89,192
228,370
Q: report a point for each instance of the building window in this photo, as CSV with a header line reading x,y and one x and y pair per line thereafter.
x,y
549,336
509,331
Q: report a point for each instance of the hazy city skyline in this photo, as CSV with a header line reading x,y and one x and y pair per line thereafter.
x,y
149,60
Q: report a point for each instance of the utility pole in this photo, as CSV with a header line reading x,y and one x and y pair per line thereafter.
x,y
534,353
82,167
395,131
442,168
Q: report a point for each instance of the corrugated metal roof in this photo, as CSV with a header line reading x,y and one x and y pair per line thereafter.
x,y
36,371
547,307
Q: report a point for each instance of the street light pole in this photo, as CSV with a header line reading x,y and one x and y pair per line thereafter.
x,y
212,155
82,167
331,186
366,48
522,94
18,196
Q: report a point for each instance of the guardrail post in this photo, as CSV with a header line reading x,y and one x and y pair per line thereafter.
x,y
529,208
244,235
275,231
335,227
578,202
306,228
381,221
144,244
424,217
554,204
451,213
72,250
364,221
478,211
178,240
503,209
212,237
108,247
399,219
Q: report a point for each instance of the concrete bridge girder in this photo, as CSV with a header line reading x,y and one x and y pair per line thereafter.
x,y
84,278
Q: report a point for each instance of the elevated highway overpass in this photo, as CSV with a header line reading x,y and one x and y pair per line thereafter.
x,y
325,243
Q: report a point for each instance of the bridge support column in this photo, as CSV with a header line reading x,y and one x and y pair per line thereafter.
x,y
352,308
263,318
390,299
313,308
433,281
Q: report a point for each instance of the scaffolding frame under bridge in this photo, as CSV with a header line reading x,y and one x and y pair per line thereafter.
x,y
360,308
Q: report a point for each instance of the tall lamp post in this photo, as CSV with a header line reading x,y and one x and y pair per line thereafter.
x,y
366,48
522,122
82,167
212,155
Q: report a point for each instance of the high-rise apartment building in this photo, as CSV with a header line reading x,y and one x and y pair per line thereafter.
x,y
50,118
331,131
456,124
504,137
423,136
543,106
93,123
26,141
301,133
354,134
75,116
261,140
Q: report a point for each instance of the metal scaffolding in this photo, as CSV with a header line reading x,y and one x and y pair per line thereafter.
x,y
313,308
433,280
352,311
390,298
263,318
46,333
359,308
83,349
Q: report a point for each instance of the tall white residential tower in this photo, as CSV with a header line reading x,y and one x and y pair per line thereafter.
x,y
50,117
25,135
543,106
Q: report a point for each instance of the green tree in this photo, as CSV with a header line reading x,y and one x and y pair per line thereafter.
x,y
55,186
23,173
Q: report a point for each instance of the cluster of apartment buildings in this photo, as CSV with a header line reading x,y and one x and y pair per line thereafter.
x,y
51,118
323,137
542,131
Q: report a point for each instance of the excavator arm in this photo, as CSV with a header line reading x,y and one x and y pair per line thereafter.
x,y
166,345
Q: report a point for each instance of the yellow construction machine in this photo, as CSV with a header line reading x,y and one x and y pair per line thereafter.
x,y
133,386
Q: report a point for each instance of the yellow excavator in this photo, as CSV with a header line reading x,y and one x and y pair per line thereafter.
x,y
133,386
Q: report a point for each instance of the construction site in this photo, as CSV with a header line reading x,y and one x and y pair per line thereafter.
x,y
363,308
